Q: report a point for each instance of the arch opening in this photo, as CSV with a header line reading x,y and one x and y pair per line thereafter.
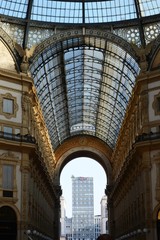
x,y
75,179
8,223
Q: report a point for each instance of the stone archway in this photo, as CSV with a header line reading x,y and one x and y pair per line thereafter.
x,y
8,223
83,146
10,45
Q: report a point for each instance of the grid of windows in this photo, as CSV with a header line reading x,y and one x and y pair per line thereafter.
x,y
82,208
75,11
84,83
84,89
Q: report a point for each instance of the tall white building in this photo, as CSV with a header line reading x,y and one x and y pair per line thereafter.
x,y
104,215
82,208
66,223
63,216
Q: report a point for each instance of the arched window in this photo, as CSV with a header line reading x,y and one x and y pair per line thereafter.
x,y
8,223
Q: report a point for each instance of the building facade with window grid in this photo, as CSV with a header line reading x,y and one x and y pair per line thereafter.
x,y
82,208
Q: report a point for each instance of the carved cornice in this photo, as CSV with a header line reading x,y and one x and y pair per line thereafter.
x,y
9,156
44,145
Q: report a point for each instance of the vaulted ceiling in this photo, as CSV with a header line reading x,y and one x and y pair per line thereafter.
x,y
83,81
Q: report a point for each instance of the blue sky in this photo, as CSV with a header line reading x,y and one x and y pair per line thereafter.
x,y
84,167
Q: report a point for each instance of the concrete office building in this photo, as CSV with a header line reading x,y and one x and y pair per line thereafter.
x,y
82,208
79,79
68,228
97,225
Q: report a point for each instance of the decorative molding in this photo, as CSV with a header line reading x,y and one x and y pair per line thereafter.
x,y
9,155
96,33
15,105
85,141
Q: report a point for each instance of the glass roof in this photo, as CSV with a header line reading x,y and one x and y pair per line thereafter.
x,y
84,85
76,11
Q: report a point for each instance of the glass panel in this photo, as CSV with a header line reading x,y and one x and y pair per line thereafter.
x,y
8,105
7,183
149,7
8,130
79,11
57,11
84,88
109,11
14,8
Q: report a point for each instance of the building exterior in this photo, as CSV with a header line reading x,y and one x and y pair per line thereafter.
x,y
63,217
82,208
66,223
79,79
97,225
104,215
68,228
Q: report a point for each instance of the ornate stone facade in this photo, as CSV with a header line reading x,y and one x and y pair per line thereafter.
x,y
132,167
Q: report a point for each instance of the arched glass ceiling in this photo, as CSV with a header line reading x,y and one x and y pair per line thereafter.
x,y
84,85
79,11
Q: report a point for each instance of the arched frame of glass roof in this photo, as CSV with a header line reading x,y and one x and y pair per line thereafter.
x,y
31,21
84,84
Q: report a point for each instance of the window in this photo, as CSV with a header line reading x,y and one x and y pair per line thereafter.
x,y
8,105
156,104
7,180
8,132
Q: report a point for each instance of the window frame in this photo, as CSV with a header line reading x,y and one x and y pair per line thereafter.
x,y
8,114
9,158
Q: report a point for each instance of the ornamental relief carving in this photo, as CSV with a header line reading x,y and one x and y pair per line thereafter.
x,y
63,35
83,142
25,101
9,156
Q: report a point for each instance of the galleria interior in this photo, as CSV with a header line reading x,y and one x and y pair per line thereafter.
x,y
79,79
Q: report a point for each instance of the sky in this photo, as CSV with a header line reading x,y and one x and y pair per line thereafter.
x,y
83,167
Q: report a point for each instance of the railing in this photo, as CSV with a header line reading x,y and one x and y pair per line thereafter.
x,y
17,137
148,136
